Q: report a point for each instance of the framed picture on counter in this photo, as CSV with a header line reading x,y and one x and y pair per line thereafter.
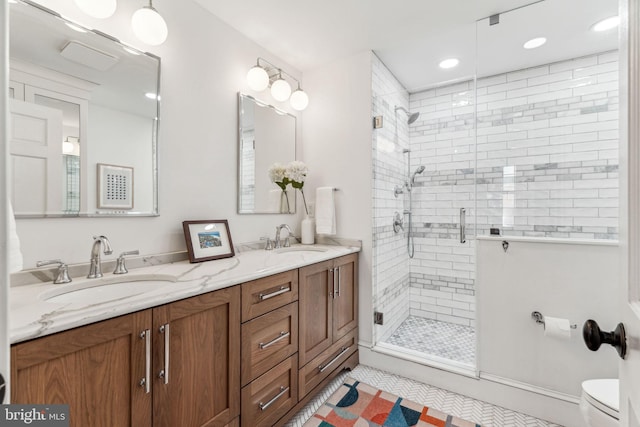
x,y
208,240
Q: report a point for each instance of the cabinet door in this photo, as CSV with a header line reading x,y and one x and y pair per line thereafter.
x,y
345,302
315,310
96,369
197,360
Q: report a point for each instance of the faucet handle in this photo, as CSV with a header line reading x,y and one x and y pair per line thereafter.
x,y
62,275
120,267
269,244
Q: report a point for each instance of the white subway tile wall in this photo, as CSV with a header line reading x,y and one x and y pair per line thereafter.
x,y
390,259
542,162
532,152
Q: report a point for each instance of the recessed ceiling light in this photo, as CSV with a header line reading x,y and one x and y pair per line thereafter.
x,y
606,24
152,95
534,43
449,63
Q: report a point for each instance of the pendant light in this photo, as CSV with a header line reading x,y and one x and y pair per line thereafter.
x,y
149,26
258,78
299,99
280,89
97,8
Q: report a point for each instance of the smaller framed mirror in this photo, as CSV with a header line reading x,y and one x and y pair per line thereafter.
x,y
266,135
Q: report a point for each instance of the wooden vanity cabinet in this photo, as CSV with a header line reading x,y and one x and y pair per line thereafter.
x,y
197,382
328,319
101,370
95,369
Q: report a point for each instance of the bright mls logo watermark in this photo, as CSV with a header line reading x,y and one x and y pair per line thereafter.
x,y
34,415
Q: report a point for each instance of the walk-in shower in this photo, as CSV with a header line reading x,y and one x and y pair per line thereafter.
x,y
529,151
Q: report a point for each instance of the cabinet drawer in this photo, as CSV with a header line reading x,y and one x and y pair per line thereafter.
x,y
320,367
263,295
271,396
268,340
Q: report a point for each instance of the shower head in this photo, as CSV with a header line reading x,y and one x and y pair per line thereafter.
x,y
412,116
418,171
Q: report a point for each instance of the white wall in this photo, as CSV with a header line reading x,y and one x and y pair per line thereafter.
x,y
337,148
571,280
204,65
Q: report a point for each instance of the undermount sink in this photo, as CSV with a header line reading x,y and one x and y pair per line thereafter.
x,y
106,289
301,249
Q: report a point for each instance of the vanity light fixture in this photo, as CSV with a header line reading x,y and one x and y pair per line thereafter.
x,y
606,24
100,9
534,43
449,63
299,99
280,89
265,73
149,26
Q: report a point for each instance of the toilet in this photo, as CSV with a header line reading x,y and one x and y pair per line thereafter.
x,y
600,402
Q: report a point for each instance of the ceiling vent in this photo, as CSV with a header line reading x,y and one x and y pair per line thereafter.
x,y
88,56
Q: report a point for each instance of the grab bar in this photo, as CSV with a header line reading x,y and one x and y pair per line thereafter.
x,y
463,225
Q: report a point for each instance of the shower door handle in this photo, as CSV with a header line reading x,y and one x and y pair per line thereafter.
x,y
463,225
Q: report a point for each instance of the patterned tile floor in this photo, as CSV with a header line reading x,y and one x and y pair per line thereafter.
x,y
452,403
446,340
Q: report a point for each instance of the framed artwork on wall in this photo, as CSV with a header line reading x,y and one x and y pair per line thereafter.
x,y
115,186
208,240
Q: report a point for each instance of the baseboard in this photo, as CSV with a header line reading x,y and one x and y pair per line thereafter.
x,y
540,403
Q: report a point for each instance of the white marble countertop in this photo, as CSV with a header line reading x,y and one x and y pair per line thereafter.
x,y
32,315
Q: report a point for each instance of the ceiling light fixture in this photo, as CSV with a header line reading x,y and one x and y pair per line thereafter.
x,y
149,26
265,73
534,43
606,24
100,9
449,63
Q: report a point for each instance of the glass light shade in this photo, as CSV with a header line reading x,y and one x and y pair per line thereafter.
x,y
149,26
97,8
299,100
257,78
280,90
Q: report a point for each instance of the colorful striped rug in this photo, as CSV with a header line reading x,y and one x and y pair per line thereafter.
x,y
357,404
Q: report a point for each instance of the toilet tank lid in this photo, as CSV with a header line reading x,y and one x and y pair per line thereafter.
x,y
605,391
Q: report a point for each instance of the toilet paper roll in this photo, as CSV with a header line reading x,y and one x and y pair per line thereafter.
x,y
555,327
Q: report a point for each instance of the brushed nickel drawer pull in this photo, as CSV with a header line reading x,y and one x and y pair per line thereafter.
x,y
145,382
322,368
264,406
274,294
282,336
164,329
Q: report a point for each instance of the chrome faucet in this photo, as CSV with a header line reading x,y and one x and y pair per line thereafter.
x,y
95,269
278,244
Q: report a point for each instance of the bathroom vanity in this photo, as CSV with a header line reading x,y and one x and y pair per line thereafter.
x,y
243,341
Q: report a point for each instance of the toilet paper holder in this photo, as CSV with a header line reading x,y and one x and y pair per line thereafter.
x,y
539,319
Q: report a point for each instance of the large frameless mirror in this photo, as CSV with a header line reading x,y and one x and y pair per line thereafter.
x,y
84,119
266,136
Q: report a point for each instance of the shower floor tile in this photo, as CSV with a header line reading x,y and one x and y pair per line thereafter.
x,y
486,414
442,339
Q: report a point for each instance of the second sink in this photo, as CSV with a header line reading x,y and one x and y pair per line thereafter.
x,y
100,291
